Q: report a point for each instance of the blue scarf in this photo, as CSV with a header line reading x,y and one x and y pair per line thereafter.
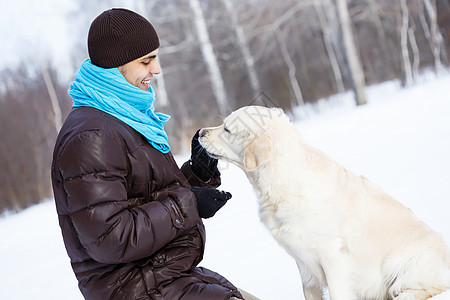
x,y
108,91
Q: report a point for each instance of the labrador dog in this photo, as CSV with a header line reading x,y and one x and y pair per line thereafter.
x,y
345,233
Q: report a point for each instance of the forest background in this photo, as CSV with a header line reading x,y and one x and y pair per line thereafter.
x,y
216,56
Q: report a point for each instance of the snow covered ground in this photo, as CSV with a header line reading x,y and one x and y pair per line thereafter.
x,y
400,140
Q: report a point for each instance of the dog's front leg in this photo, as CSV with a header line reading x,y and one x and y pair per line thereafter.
x,y
312,293
311,285
339,287
338,278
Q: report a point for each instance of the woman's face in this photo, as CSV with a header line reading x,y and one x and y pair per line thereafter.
x,y
139,72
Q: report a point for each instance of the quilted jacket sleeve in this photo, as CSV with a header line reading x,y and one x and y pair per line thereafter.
x,y
93,169
196,181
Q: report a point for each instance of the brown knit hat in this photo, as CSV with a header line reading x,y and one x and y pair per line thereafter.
x,y
118,36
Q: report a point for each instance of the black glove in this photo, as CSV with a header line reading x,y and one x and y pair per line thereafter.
x,y
209,200
203,165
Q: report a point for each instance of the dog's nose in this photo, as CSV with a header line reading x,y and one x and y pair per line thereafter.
x,y
201,132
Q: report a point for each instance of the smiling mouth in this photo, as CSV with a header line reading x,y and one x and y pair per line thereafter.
x,y
146,82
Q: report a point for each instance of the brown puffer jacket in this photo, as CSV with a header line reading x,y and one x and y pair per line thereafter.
x,y
129,220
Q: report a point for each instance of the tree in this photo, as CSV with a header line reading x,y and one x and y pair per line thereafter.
x,y
351,53
433,35
28,119
291,69
244,47
210,58
53,98
409,79
329,45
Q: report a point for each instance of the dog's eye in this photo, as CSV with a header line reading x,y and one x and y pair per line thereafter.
x,y
226,130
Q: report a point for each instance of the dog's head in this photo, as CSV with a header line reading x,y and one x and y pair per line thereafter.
x,y
244,138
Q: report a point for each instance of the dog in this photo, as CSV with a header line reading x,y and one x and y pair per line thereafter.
x,y
345,233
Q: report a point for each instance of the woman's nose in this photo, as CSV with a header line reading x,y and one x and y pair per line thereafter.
x,y
155,67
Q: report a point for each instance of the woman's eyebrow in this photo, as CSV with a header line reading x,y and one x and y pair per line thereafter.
x,y
149,57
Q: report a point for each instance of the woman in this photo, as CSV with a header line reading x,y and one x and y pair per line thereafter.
x,y
130,218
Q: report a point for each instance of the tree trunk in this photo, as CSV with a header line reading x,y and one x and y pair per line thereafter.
x,y
245,49
291,67
210,58
404,43
161,91
375,12
353,60
53,99
329,47
416,54
435,35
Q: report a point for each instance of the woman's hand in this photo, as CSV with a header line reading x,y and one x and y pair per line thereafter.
x,y
203,165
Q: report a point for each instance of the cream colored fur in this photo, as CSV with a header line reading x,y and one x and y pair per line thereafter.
x,y
345,233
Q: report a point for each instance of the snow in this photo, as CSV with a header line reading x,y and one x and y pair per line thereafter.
x,y
399,140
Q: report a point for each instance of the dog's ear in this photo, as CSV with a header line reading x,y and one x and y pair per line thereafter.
x,y
257,151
